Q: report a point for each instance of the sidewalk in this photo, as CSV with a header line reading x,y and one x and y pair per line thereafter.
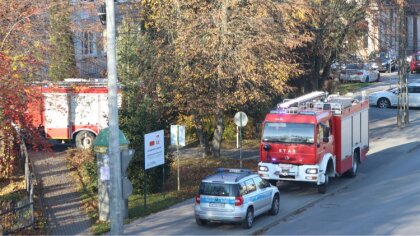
x,y
61,199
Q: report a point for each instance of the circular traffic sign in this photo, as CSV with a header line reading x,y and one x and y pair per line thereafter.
x,y
240,119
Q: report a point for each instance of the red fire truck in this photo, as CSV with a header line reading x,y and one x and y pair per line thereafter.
x,y
314,137
75,109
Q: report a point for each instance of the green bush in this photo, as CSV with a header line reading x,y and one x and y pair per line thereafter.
x,y
84,161
137,119
91,170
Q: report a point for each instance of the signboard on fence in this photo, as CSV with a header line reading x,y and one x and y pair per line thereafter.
x,y
154,154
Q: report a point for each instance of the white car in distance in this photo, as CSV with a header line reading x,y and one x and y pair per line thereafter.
x,y
359,73
389,98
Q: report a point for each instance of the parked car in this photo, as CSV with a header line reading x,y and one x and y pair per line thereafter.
x,y
336,67
386,60
389,97
235,195
415,62
359,73
374,65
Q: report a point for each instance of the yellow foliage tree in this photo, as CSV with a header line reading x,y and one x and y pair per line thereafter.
x,y
211,58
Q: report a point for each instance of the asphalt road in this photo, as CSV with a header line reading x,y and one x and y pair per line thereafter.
x,y
383,190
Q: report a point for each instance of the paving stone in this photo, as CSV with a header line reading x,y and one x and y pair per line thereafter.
x,y
61,199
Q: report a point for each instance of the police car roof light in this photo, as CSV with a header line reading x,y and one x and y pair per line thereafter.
x,y
279,111
247,171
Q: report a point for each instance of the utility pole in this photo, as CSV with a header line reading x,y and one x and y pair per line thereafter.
x,y
116,216
402,117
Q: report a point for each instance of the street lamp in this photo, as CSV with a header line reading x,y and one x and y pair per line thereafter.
x,y
102,14
113,149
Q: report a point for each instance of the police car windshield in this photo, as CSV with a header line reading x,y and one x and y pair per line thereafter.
x,y
288,132
219,189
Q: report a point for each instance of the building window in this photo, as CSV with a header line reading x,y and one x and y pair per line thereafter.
x,y
88,43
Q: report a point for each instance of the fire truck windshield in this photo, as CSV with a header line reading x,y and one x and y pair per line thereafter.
x,y
288,132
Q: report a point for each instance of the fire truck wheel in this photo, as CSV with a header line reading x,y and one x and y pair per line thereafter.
x,y
353,171
84,139
322,188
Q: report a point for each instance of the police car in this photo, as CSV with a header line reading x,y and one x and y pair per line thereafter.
x,y
235,195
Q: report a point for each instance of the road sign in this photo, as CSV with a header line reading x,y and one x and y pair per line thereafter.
x,y
154,154
178,135
240,119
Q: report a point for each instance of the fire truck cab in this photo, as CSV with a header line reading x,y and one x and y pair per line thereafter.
x,y
313,138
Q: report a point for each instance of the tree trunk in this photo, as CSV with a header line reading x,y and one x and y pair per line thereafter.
x,y
202,136
315,73
324,76
218,134
328,82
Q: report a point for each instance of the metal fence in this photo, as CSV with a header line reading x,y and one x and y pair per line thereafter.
x,y
21,215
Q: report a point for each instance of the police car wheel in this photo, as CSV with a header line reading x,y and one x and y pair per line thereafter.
x,y
275,205
249,219
200,221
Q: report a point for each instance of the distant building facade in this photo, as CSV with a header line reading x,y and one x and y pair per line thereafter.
x,y
385,30
88,39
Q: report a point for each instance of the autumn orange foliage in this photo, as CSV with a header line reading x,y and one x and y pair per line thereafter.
x,y
15,121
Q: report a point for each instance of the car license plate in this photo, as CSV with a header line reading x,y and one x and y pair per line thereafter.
x,y
285,171
285,166
217,204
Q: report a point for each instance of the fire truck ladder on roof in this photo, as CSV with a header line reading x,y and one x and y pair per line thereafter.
x,y
302,101
318,101
336,104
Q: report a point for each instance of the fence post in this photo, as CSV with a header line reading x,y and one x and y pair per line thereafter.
x,y
31,201
27,178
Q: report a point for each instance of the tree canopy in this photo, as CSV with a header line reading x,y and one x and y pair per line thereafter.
x,y
209,58
196,60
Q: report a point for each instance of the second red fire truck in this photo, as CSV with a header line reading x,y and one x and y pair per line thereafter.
x,y
313,138
71,110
